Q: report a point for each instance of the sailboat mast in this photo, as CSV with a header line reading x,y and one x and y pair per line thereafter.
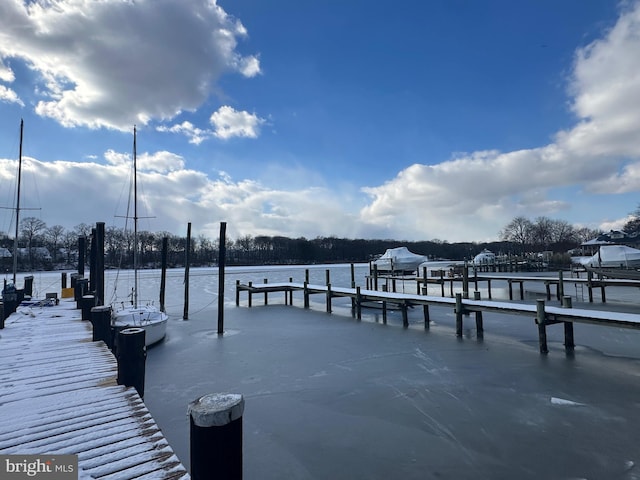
x,y
15,240
135,222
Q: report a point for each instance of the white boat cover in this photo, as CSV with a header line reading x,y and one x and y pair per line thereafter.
x,y
399,259
485,257
611,256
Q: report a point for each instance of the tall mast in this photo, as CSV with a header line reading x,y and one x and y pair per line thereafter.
x,y
135,222
15,240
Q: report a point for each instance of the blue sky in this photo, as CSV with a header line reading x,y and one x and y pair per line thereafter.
x,y
415,120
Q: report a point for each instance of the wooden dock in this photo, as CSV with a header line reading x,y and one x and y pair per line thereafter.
x,y
543,315
59,395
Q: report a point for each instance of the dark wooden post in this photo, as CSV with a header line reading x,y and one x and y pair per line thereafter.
x,y
63,280
86,304
216,437
510,289
163,275
101,323
250,294
237,293
541,320
222,256
465,281
459,313
569,343
427,320
358,304
424,282
93,253
589,285
375,277
405,317
479,323
99,290
353,285
560,285
187,263
132,355
266,297
305,294
82,248
489,287
547,286
328,297
442,281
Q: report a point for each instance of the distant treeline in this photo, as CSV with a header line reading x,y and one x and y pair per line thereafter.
x,y
45,248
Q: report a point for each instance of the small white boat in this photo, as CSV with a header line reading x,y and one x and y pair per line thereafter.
x,y
399,259
148,317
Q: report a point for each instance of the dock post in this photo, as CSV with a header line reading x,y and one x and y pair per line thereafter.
x,y
479,323
375,277
459,312
266,298
510,289
465,281
306,293
237,293
132,355
405,317
489,287
547,287
101,323
442,282
328,297
28,286
222,260
590,285
541,320
358,304
569,343
427,320
86,304
249,292
215,438
288,295
560,285
63,280
604,296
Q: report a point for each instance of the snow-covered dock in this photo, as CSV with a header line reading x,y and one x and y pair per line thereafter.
x,y
59,395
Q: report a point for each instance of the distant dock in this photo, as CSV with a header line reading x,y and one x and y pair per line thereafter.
x,y
59,395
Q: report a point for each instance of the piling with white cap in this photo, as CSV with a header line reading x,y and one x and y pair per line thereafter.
x,y
216,436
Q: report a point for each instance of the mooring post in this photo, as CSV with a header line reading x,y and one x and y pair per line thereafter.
x,y
560,285
375,277
305,293
459,313
353,285
541,319
358,304
288,294
489,288
569,343
132,356
216,436
547,287
163,271
237,293
222,263
250,293
424,282
590,285
187,264
87,303
101,323
465,281
405,317
479,324
427,320
328,297
510,289
63,280
266,299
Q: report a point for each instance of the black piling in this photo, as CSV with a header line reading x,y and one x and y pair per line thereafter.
x,y
222,255
132,356
569,343
216,437
459,313
163,275
187,263
541,320
479,322
101,323
86,304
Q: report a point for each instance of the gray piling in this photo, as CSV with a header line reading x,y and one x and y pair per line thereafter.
x,y
216,436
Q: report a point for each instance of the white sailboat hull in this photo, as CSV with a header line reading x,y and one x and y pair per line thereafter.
x,y
148,317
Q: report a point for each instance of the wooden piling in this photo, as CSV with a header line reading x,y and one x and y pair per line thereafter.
x,y
328,297
479,322
132,355
305,293
459,313
405,316
266,299
187,264
358,304
250,294
101,323
237,293
427,320
541,320
465,281
99,283
569,343
216,437
163,271
222,262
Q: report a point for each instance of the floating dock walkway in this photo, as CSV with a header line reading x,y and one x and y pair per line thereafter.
x,y
59,395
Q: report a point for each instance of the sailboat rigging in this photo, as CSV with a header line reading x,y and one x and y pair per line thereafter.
x,y
147,316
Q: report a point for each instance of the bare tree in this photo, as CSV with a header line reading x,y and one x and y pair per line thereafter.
x,y
519,230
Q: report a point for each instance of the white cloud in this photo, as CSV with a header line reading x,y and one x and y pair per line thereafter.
x,y
485,190
113,63
232,123
9,96
194,134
